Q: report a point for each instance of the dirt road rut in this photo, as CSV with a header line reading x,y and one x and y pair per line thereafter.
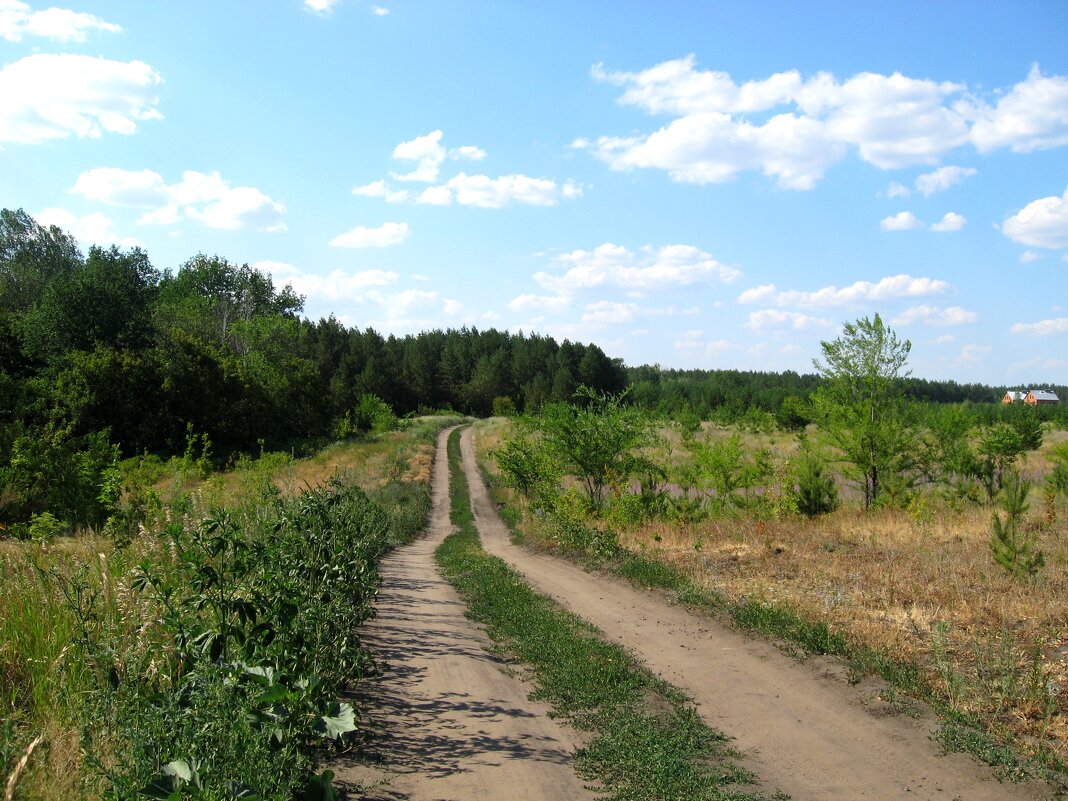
x,y
453,722
800,726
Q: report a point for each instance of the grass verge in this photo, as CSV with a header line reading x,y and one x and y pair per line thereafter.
x,y
645,740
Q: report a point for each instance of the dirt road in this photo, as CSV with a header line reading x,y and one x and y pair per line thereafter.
x,y
800,726
453,721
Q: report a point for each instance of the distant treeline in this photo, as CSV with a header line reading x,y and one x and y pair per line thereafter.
x,y
103,355
734,394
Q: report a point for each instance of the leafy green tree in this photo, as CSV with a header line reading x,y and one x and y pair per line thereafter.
x,y
599,440
31,256
861,405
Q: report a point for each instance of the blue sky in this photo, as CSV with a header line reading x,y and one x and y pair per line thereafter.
x,y
690,184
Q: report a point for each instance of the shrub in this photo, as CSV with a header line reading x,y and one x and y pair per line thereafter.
x,y
817,493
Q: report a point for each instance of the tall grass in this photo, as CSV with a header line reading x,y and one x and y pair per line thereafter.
x,y
217,639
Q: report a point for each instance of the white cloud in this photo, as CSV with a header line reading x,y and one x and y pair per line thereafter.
x,y
428,154
1043,328
902,221
759,320
542,303
379,11
435,196
323,7
205,197
381,189
494,193
794,129
94,229
691,340
935,315
467,153
1029,256
950,222
1041,223
1032,116
897,190
336,286
895,286
970,354
945,339
18,19
48,96
606,312
650,269
942,179
413,309
384,236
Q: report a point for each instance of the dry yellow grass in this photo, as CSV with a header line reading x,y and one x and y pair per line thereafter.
x,y
916,585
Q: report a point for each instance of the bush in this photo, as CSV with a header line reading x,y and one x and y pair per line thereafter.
x,y
817,493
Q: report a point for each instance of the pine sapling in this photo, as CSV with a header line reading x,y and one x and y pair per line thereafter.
x,y
1012,548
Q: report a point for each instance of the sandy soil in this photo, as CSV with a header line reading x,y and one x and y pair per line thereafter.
x,y
801,727
451,720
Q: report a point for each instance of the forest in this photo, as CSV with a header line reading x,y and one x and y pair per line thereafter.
x,y
103,357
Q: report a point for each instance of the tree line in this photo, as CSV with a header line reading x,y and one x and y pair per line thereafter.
x,y
104,356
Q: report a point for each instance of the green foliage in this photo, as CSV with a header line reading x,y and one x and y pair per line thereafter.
x,y
599,440
370,416
503,406
724,466
1012,547
528,467
44,528
817,493
861,406
246,631
1058,479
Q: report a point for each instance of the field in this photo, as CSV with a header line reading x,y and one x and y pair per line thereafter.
x,y
916,585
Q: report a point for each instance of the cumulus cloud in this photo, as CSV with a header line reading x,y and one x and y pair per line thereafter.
x,y
935,315
93,229
942,179
610,265
1029,256
539,303
794,129
386,235
1032,116
759,320
205,197
970,354
1043,328
50,96
382,189
495,193
18,19
323,7
427,155
902,221
335,286
606,312
895,286
950,222
379,11
1041,223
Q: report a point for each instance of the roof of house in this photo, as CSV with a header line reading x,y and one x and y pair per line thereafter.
x,y
1017,394
1044,395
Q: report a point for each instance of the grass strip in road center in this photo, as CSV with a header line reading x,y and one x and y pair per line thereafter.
x,y
646,741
